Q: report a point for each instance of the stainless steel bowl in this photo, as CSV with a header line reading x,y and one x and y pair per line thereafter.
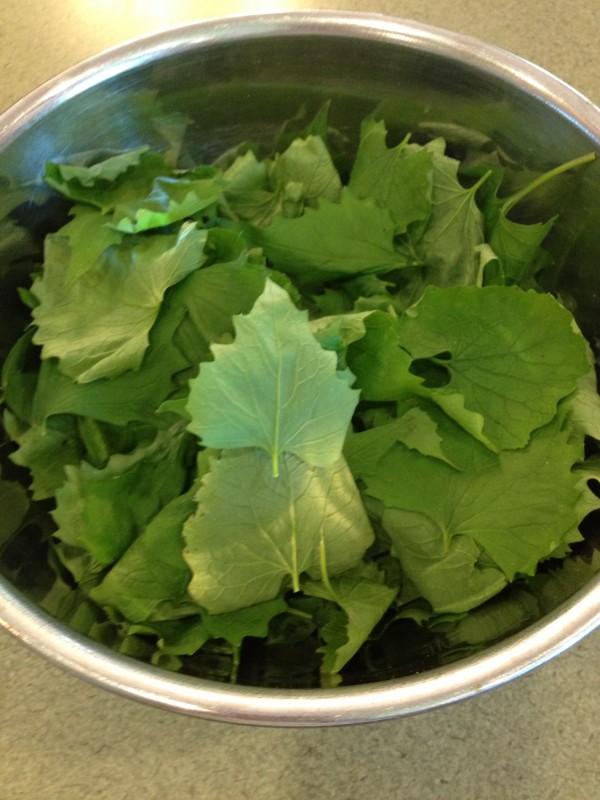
x,y
240,78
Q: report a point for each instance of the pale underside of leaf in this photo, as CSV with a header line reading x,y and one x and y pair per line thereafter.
x,y
274,387
254,534
99,327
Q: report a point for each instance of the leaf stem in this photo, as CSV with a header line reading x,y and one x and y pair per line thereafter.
x,y
235,663
297,613
94,441
476,186
294,545
547,176
323,565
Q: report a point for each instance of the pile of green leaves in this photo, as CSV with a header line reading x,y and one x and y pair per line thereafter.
x,y
298,418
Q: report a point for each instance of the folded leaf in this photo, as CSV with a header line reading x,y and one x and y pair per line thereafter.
x,y
517,244
195,312
133,395
583,406
454,230
415,428
429,556
89,234
185,636
499,513
45,450
518,247
511,355
113,181
364,599
380,363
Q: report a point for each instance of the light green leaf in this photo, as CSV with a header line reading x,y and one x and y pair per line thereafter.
x,y
169,200
195,312
99,326
255,206
340,330
273,388
449,571
89,234
517,246
415,429
45,450
588,474
108,169
583,406
383,370
245,173
246,193
381,365
499,513
454,404
216,294
103,510
117,180
152,571
133,395
257,191
442,439
510,356
253,533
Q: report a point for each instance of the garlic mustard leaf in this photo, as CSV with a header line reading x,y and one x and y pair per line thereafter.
x,y
98,326
254,533
274,387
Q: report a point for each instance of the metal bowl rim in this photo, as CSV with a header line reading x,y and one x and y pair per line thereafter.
x,y
498,664
494,666
132,54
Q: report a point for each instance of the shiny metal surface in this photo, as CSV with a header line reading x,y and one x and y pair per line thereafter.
x,y
341,706
240,79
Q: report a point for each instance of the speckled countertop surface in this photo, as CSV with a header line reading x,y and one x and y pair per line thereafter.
x,y
62,739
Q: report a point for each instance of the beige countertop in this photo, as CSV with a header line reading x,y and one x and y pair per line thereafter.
x,y
62,739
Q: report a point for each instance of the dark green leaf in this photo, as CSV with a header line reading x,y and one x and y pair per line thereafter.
x,y
335,240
